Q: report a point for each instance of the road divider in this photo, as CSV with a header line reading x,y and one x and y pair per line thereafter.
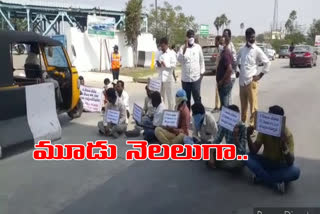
x,y
27,115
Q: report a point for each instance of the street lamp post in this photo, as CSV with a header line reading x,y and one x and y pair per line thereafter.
x,y
156,5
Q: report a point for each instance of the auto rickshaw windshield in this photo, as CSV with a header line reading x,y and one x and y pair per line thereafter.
x,y
55,56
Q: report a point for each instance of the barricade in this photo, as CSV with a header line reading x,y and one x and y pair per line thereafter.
x,y
27,115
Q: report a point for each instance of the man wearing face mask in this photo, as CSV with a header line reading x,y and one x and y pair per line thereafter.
x,y
191,58
204,126
248,59
166,135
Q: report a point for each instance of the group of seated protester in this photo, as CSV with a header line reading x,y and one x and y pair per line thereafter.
x,y
274,167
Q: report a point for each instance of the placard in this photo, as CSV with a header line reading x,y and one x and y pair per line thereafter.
x,y
112,116
229,119
269,124
170,119
155,85
91,98
137,113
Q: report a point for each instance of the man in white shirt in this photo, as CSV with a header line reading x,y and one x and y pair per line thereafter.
x,y
149,132
191,58
249,58
166,62
123,96
115,104
227,33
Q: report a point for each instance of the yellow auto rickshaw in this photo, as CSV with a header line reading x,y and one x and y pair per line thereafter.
x,y
46,61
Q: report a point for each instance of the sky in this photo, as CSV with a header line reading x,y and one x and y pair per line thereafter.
x,y
254,13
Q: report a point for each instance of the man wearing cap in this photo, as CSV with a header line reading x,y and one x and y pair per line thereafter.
x,y
191,58
115,62
166,135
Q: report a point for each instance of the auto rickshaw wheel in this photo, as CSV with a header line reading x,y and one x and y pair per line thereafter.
x,y
77,111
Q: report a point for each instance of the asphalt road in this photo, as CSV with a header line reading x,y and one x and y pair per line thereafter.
x,y
76,187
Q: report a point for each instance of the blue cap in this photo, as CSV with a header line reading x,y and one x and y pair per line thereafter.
x,y
181,93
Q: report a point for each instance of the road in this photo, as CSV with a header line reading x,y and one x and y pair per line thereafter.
x,y
76,187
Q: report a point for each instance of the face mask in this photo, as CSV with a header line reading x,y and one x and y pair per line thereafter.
x,y
191,41
179,100
198,120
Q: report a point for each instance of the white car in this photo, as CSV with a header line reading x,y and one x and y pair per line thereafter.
x,y
268,50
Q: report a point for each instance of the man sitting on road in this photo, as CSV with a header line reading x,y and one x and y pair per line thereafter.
x,y
116,104
148,108
204,126
237,137
275,166
171,136
123,95
156,119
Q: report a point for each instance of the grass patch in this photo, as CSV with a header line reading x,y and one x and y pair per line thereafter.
x,y
138,73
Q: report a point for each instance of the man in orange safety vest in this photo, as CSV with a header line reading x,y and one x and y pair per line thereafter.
x,y
115,63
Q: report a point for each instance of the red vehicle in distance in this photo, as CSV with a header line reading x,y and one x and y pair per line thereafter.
x,y
303,55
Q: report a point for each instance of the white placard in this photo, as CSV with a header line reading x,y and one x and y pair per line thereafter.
x,y
155,85
269,124
137,113
91,98
112,116
229,119
170,119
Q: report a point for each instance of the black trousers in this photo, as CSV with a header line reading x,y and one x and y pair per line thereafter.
x,y
115,74
194,89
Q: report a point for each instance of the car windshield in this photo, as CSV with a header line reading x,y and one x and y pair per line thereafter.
x,y
209,50
56,57
284,48
301,48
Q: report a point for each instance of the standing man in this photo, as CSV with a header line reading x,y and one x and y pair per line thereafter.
x,y
224,72
166,62
217,105
248,59
115,63
227,33
191,58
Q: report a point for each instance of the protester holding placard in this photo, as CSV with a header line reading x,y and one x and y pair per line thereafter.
x,y
123,96
166,62
238,137
170,135
204,126
275,166
149,131
118,125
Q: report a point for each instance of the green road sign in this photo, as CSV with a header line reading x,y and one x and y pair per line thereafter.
x,y
204,30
